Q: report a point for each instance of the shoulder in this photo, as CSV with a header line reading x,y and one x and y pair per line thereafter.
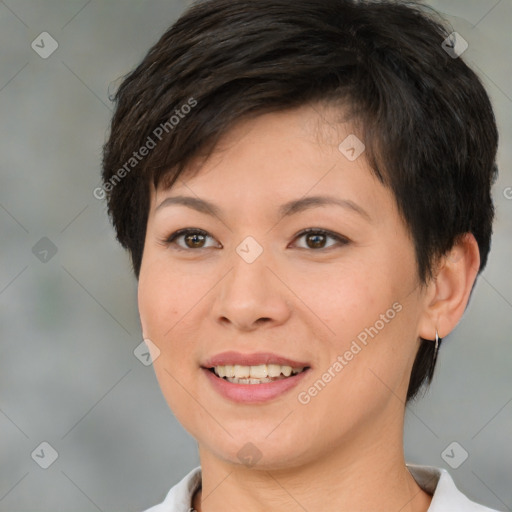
x,y
179,498
445,495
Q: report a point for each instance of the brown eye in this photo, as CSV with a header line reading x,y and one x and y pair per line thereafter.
x,y
192,239
317,239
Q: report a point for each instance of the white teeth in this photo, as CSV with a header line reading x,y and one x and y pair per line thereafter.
x,y
258,374
248,381
274,370
286,370
242,372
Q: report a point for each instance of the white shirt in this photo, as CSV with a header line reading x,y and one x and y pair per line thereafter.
x,y
436,481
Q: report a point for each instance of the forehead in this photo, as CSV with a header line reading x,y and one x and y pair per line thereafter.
x,y
276,165
282,146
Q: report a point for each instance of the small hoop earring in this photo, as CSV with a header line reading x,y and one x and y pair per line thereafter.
x,y
434,358
436,348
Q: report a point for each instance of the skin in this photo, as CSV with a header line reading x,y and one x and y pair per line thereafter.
x,y
343,449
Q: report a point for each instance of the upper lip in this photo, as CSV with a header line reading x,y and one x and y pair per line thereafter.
x,y
255,359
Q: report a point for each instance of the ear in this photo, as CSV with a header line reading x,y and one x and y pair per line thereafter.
x,y
449,291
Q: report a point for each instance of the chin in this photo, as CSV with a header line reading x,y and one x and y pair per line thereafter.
x,y
259,452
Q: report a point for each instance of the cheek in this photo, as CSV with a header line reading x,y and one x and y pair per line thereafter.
x,y
341,297
360,381
149,303
371,318
173,303
163,298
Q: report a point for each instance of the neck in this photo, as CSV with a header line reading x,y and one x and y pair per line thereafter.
x,y
357,476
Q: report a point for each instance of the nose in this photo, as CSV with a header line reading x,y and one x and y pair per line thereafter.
x,y
251,295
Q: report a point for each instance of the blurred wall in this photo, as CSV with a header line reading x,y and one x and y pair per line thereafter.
x,y
68,318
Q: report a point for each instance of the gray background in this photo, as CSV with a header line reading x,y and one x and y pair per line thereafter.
x,y
69,326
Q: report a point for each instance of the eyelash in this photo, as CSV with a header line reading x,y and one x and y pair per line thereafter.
x,y
317,231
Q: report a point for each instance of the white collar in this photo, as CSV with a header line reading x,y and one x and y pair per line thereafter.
x,y
446,497
436,481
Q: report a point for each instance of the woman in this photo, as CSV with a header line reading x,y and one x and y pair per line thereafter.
x,y
304,190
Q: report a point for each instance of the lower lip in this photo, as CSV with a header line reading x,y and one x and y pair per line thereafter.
x,y
253,393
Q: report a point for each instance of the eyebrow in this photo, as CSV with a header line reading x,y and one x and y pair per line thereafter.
x,y
285,210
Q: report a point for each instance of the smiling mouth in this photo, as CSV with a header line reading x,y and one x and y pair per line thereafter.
x,y
260,374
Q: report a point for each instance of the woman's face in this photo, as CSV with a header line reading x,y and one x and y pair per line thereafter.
x,y
249,287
